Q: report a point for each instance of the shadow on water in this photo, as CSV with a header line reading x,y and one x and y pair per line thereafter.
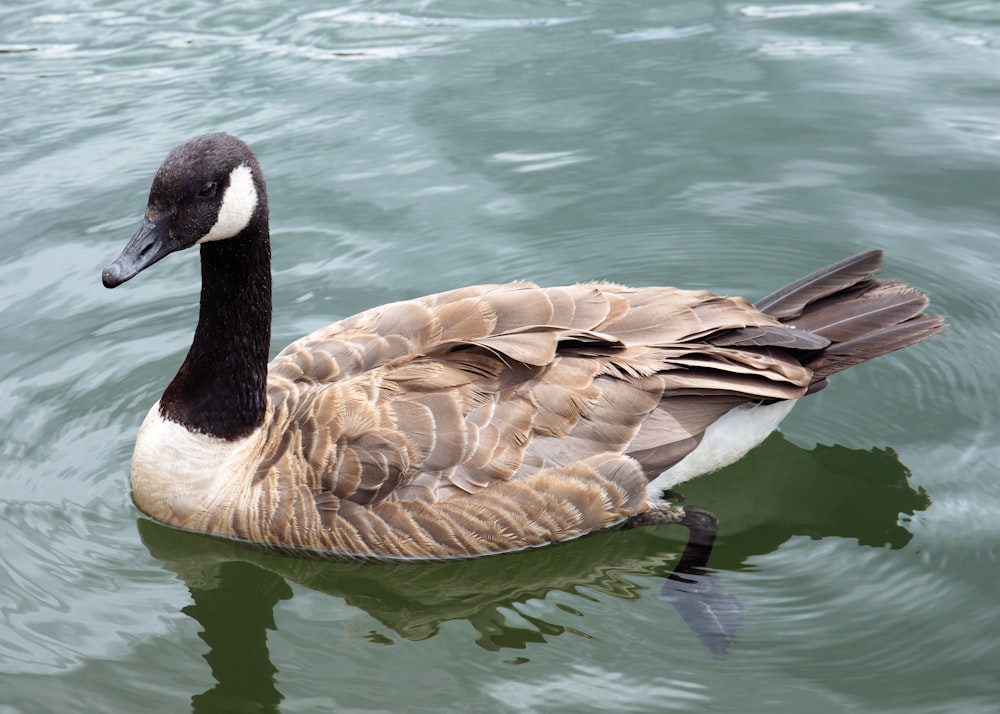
x,y
777,492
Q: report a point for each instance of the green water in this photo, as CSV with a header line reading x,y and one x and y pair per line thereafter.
x,y
413,147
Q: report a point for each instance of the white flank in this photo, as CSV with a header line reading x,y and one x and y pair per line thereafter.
x,y
238,204
725,442
179,476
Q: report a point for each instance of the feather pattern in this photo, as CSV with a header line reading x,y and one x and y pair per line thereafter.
x,y
473,421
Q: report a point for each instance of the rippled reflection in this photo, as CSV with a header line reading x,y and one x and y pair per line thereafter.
x,y
778,492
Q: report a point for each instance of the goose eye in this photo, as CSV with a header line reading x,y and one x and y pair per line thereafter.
x,y
208,190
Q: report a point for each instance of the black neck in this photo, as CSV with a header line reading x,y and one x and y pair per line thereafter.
x,y
221,389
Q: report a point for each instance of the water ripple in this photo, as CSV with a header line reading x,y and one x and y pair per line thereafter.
x,y
805,48
527,162
782,11
602,689
652,34
351,16
883,608
969,11
977,40
62,601
73,17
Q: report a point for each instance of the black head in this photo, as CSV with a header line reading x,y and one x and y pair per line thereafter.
x,y
208,189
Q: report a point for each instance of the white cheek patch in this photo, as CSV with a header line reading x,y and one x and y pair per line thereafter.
x,y
238,204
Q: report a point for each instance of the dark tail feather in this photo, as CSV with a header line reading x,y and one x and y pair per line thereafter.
x,y
789,301
866,308
841,355
863,318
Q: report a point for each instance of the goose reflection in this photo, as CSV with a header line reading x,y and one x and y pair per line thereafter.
x,y
777,492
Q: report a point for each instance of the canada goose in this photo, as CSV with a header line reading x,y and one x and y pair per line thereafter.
x,y
474,421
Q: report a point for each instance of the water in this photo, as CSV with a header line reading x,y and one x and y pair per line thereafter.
x,y
417,146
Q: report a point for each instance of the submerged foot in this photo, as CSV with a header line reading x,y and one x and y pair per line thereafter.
x,y
697,594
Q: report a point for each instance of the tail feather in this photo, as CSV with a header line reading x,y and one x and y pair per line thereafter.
x,y
789,301
842,355
868,307
862,318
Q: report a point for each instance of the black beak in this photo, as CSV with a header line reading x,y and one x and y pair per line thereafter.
x,y
149,244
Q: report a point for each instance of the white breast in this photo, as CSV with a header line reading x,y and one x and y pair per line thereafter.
x,y
178,476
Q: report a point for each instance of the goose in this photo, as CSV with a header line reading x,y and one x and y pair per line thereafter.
x,y
474,421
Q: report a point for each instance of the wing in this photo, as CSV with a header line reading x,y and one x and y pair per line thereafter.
x,y
444,395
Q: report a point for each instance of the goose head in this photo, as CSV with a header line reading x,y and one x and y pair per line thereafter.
x,y
208,189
